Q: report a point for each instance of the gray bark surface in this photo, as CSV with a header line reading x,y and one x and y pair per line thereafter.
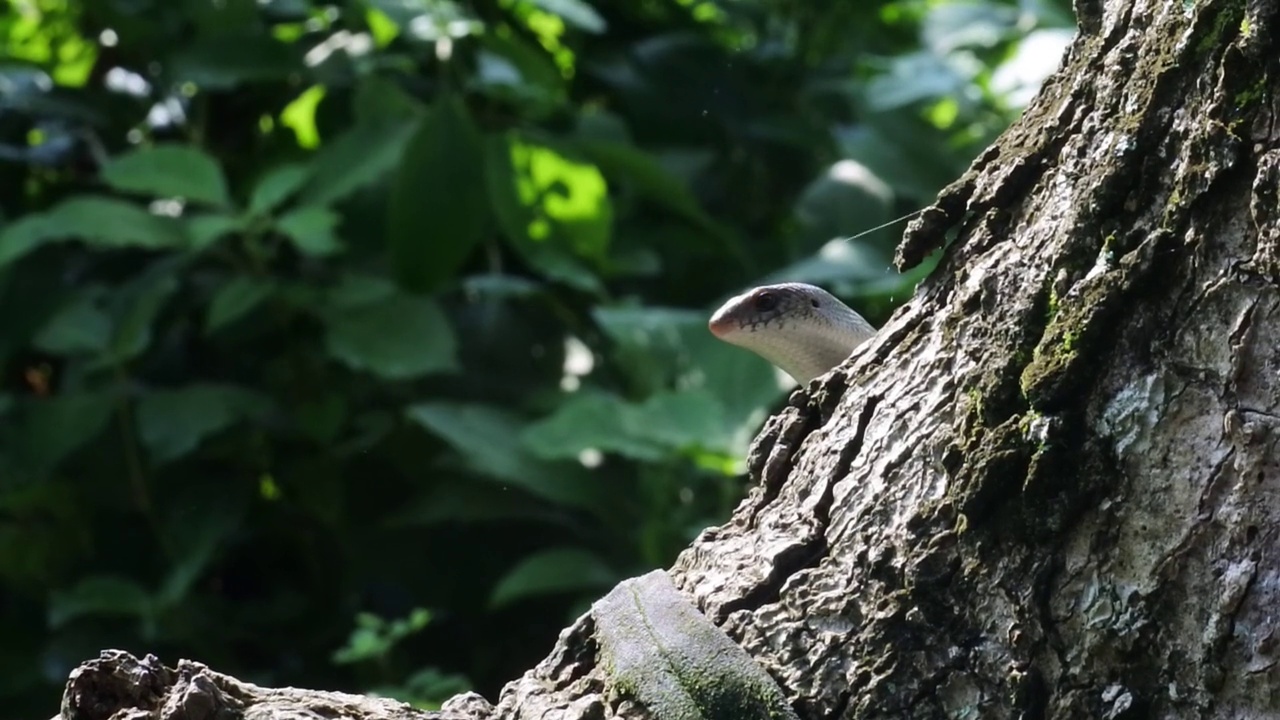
x,y
1050,486
120,686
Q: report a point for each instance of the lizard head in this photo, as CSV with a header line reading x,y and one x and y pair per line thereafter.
x,y
802,329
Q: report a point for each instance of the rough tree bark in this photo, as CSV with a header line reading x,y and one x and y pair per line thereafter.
x,y
1050,487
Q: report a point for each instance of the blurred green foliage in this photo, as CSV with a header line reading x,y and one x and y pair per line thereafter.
x,y
315,314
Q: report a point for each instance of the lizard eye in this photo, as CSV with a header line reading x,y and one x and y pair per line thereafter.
x,y
764,301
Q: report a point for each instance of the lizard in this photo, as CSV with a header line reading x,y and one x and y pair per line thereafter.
x,y
655,646
801,329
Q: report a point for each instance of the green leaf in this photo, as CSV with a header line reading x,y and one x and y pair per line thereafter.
x,y
171,423
208,228
276,186
488,439
430,20
358,157
52,428
652,344
746,388
82,326
848,196
311,230
198,518
472,503
680,420
101,595
321,419
571,195
897,151
47,532
518,72
374,637
381,101
300,116
234,299
355,290
576,13
483,435
397,337
592,421
100,222
661,347
166,171
632,165
629,165
137,306
662,425
427,689
223,61
854,266
221,17
553,572
438,207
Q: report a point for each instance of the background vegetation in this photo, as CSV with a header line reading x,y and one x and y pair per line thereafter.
x,y
360,344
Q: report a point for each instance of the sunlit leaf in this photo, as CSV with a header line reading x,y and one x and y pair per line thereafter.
x,y
430,20
570,195
576,13
554,212
374,637
300,116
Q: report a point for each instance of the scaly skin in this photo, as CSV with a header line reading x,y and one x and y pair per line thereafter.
x,y
802,329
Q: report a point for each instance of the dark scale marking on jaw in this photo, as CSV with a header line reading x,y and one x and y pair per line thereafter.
x,y
799,328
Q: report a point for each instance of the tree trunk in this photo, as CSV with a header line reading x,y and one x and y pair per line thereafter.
x,y
1050,486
